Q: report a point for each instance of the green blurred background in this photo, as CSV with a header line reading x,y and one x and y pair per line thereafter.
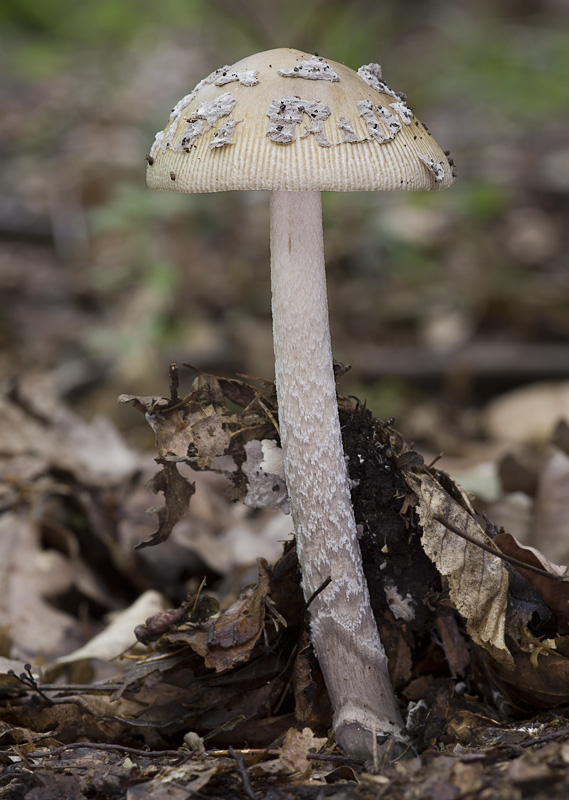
x,y
443,298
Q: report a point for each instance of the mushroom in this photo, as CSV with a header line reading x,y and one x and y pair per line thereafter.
x,y
297,125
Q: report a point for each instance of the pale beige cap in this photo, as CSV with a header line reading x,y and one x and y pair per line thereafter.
x,y
287,120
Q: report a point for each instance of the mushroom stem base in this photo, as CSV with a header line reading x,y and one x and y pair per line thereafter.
x,y
343,629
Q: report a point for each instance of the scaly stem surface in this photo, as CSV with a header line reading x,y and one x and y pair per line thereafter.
x,y
343,629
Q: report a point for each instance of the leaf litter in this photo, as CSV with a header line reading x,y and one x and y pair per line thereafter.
x,y
475,631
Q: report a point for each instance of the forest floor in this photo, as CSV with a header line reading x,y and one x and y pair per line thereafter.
x,y
453,311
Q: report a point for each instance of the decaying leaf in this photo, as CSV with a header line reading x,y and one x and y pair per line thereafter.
x,y
115,639
553,587
216,675
292,759
539,677
226,640
201,428
478,581
28,576
312,704
178,782
78,715
177,495
38,428
456,652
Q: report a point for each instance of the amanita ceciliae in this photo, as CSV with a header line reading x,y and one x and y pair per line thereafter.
x,y
297,125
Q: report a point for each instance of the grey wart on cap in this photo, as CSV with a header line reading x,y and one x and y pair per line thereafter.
x,y
338,131
297,124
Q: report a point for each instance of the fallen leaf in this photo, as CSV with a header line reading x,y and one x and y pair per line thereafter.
x,y
528,414
177,492
539,678
454,645
117,637
230,638
201,428
33,422
292,759
477,580
312,704
28,575
553,590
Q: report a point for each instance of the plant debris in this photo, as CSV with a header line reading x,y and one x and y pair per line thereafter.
x,y
473,622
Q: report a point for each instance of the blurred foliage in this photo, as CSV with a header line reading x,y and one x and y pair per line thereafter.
x,y
523,73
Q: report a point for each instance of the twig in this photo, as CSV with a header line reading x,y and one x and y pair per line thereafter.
x,y
174,382
105,746
374,749
226,726
432,463
28,680
547,737
315,594
332,758
243,773
495,551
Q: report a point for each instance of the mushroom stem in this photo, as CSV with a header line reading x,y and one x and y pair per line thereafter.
x,y
343,628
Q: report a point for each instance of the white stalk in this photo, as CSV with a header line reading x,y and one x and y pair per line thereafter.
x,y
343,629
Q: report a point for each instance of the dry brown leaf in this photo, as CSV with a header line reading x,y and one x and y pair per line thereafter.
x,y
454,645
528,414
177,495
477,580
28,575
311,702
13,734
197,433
117,637
228,640
539,677
200,428
189,777
292,758
296,746
190,430
73,717
34,423
554,591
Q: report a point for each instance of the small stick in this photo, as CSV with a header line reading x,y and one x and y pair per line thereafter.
x,y
315,594
332,758
135,751
548,737
174,382
116,748
374,749
28,680
434,461
243,773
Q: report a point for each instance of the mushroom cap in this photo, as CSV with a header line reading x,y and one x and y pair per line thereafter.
x,y
290,121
